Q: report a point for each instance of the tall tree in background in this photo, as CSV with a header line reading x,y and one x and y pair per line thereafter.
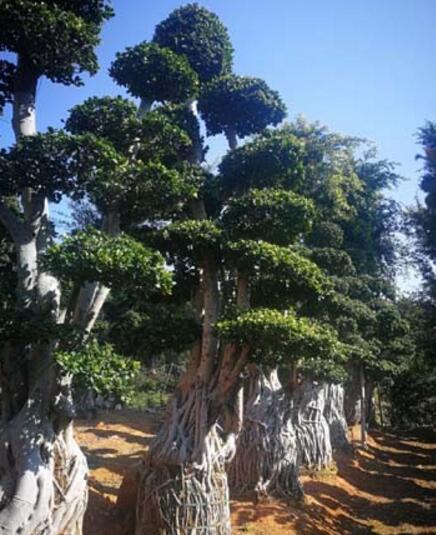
x,y
412,391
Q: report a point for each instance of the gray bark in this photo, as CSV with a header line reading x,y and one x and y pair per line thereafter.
x,y
313,432
335,415
42,470
266,459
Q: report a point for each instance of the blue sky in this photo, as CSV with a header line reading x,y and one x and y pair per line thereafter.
x,y
361,67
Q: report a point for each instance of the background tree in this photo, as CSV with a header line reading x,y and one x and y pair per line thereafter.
x,y
410,393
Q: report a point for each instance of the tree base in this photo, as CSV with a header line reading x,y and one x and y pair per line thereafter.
x,y
182,500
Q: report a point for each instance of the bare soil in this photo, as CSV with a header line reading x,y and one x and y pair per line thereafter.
x,y
389,489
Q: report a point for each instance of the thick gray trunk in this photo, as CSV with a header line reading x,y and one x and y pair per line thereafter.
x,y
335,415
313,432
42,470
183,485
266,459
352,392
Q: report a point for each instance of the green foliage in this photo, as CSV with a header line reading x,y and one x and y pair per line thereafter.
x,y
7,73
281,263
153,73
326,234
114,120
181,116
191,238
97,367
111,118
334,261
119,261
240,104
42,162
198,34
129,164
55,38
277,337
273,159
154,387
275,215
150,331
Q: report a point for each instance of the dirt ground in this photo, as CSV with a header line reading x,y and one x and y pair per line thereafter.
x,y
388,489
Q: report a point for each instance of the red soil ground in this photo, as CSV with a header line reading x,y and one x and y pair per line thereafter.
x,y
388,489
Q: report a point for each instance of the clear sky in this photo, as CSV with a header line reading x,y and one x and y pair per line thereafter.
x,y
361,67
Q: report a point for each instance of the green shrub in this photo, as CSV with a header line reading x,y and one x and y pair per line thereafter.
x,y
98,368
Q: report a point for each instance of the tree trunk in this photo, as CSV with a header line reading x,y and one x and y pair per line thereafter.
x,y
183,486
42,470
335,415
352,406
313,432
362,407
266,459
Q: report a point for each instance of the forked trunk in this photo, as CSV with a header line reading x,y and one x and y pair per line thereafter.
x,y
313,432
183,486
266,459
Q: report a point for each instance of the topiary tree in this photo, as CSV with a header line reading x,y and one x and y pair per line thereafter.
x,y
289,412
130,167
196,33
237,230
55,40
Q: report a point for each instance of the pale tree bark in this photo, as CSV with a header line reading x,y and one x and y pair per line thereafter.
x,y
42,470
352,393
266,459
362,406
313,431
335,415
286,427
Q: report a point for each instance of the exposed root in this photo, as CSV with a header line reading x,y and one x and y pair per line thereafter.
x,y
42,478
313,433
183,487
266,458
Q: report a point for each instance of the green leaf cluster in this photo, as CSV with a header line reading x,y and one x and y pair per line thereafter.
x,y
97,367
276,215
240,104
55,38
281,264
278,336
272,159
154,73
119,261
196,33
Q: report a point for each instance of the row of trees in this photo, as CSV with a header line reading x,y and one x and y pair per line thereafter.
x,y
273,271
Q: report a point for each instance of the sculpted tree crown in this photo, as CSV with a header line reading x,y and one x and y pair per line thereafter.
x,y
240,104
275,158
55,38
199,35
154,73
